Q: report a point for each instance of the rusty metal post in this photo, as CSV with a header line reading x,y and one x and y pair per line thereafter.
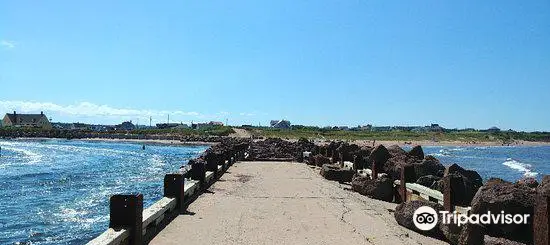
x,y
374,172
126,212
407,175
452,187
199,173
541,220
174,188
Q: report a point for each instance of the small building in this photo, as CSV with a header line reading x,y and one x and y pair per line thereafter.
x,y
26,120
128,125
284,124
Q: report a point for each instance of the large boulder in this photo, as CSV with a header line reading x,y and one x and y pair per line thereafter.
x,y
332,172
498,195
404,216
529,181
470,182
500,241
416,152
427,180
319,160
380,188
396,150
379,155
429,166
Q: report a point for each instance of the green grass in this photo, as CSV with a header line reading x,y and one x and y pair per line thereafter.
x,y
464,136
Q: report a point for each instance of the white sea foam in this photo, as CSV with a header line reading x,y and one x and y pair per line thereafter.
x,y
31,156
521,167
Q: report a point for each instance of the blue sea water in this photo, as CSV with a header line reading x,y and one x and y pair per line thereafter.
x,y
510,163
57,191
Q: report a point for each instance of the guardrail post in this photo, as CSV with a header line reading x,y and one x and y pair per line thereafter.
x,y
451,186
199,173
211,165
174,188
126,212
374,172
541,220
407,175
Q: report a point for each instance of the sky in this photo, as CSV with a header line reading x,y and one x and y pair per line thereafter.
x,y
314,62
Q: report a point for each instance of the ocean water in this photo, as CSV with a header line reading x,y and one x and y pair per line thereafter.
x,y
57,191
510,163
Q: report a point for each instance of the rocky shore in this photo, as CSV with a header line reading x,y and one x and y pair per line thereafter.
x,y
72,134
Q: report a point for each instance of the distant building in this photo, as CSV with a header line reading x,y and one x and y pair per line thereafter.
x,y
128,125
26,120
284,124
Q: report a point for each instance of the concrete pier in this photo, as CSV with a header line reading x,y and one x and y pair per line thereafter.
x,y
285,203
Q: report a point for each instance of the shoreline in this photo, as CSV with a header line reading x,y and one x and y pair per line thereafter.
x,y
400,143
448,143
138,141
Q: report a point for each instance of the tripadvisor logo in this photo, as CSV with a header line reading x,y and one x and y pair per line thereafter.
x,y
425,218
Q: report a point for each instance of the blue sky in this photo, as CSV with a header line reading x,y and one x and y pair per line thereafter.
x,y
457,63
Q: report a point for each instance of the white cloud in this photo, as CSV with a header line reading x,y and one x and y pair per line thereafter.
x,y
7,44
86,109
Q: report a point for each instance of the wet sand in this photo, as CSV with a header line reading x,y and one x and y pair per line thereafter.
x,y
285,203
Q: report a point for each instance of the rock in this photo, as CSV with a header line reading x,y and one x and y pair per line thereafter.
x,y
332,172
470,182
277,148
379,155
544,187
438,186
404,216
427,180
319,160
380,188
451,232
471,234
429,166
498,195
395,151
416,152
530,182
346,151
500,241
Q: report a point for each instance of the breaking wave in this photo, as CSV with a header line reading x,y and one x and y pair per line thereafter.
x,y
521,167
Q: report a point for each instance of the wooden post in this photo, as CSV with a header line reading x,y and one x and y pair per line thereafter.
x,y
126,212
374,173
541,220
407,175
174,188
452,186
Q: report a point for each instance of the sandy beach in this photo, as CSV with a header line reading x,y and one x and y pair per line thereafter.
x,y
285,203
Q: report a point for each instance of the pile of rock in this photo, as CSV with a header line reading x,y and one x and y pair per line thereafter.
x,y
275,148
